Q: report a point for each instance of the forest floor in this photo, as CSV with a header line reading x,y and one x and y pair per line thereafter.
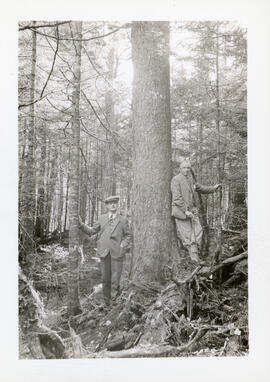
x,y
203,314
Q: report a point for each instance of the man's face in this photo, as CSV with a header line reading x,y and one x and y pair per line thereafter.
x,y
112,206
184,169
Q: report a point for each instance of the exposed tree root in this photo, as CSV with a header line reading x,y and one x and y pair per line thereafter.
x,y
42,341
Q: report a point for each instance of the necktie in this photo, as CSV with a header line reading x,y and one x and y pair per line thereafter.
x,y
111,219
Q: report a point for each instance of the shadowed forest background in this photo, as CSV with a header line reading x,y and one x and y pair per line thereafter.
x,y
109,108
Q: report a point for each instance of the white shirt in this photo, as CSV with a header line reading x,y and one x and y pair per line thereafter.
x,y
112,216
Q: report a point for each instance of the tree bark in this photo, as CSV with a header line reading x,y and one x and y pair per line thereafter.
x,y
51,191
67,192
60,198
40,208
73,201
151,198
29,188
83,187
109,182
220,235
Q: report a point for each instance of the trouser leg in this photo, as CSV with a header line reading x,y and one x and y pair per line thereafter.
x,y
193,252
105,266
198,231
117,266
196,238
190,234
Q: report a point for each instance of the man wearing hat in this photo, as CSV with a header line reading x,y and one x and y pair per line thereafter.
x,y
184,209
113,242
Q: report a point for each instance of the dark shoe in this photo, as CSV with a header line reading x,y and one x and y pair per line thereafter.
x,y
105,304
115,297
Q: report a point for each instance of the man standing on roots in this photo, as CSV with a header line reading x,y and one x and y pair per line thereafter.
x,y
113,242
184,209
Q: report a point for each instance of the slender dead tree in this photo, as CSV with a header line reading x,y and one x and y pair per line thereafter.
x,y
73,197
27,206
109,181
220,235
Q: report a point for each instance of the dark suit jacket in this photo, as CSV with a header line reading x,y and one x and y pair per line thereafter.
x,y
183,194
113,238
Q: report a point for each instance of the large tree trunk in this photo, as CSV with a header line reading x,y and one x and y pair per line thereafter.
x,y
73,202
151,204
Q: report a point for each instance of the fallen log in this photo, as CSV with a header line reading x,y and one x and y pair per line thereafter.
x,y
141,351
207,271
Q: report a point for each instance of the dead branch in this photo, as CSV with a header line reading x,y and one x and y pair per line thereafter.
x,y
54,57
111,132
82,39
50,25
32,103
150,350
231,260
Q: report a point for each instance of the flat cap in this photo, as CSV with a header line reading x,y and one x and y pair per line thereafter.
x,y
185,161
113,198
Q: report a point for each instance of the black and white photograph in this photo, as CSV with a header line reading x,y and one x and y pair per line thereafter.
x,y
135,206
132,189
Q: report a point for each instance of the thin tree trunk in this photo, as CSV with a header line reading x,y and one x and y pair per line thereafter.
x,y
200,147
109,182
47,185
22,137
67,192
73,287
220,238
60,198
99,183
51,191
83,188
40,219
29,187
151,202
203,201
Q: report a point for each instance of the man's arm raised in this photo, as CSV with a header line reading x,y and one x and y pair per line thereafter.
x,y
89,230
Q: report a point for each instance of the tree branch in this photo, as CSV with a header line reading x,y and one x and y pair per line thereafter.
x,y
92,135
54,57
101,75
82,39
43,26
230,260
102,124
31,103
